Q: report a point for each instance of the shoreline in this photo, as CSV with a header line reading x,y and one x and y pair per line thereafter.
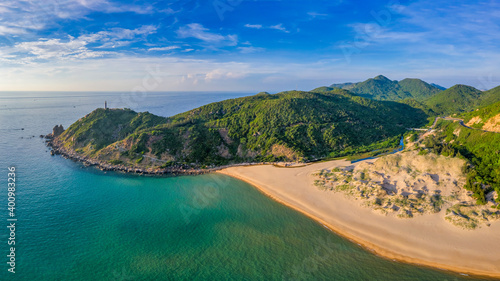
x,y
376,248
371,243
57,149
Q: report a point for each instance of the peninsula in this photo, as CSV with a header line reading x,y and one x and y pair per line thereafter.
x,y
291,126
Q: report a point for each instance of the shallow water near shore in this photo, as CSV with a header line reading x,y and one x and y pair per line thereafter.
x,y
78,223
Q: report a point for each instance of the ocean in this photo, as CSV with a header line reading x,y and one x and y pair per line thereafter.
x,y
78,223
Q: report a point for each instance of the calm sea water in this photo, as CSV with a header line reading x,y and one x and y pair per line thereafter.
x,y
77,223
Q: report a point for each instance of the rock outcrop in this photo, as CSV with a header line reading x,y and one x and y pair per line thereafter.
x,y
57,130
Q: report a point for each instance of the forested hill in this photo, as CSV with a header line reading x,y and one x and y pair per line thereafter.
x,y
462,98
290,126
486,118
430,98
382,88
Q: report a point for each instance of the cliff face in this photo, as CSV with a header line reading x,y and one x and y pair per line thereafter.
x,y
289,126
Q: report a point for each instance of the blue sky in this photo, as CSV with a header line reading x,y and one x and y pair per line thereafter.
x,y
244,45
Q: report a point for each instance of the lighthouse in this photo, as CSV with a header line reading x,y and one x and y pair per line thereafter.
x,y
105,105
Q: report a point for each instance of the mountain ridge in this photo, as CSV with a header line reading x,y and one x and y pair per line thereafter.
x,y
382,88
462,98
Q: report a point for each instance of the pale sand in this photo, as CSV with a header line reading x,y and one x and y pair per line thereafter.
x,y
425,240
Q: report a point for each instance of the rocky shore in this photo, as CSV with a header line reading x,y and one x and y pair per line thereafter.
x,y
177,170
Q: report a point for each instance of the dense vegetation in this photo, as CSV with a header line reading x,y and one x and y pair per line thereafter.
x,y
382,88
458,98
490,96
293,126
462,98
103,127
482,115
481,149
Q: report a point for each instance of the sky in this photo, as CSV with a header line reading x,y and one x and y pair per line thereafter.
x,y
244,45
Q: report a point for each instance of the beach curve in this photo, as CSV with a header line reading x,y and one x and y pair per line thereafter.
x,y
426,240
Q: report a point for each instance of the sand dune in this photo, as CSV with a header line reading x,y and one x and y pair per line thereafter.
x,y
408,184
427,240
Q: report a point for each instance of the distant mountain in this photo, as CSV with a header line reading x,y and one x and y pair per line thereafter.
x,y
462,98
345,86
418,89
382,88
323,89
438,86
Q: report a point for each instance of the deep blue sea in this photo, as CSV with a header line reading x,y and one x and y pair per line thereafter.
x,y
77,223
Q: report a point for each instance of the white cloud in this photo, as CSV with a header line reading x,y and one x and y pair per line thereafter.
x,y
6,30
373,32
76,48
125,72
110,7
215,74
195,30
168,48
119,37
279,27
256,26
57,49
317,15
249,50
218,74
22,16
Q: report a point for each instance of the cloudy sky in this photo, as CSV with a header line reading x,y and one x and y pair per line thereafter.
x,y
244,45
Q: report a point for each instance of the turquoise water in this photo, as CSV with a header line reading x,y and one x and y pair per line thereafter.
x,y
77,223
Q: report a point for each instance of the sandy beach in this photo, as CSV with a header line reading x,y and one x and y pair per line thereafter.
x,y
427,240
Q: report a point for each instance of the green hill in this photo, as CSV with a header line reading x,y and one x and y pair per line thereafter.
x,y
456,99
345,86
490,96
102,127
486,118
290,126
417,88
382,88
323,89
462,98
